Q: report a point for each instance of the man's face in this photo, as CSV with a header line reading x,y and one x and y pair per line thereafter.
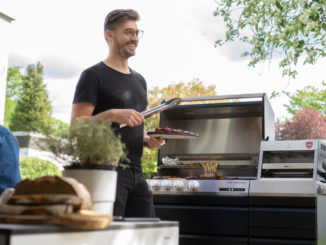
x,y
124,39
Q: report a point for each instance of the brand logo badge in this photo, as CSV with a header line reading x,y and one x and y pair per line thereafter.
x,y
309,144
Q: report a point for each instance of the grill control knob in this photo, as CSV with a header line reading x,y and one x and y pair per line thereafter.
x,y
167,185
193,185
156,185
178,185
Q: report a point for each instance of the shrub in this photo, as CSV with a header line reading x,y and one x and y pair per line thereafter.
x,y
149,162
33,168
307,124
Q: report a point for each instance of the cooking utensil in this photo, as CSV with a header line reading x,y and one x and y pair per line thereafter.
x,y
162,107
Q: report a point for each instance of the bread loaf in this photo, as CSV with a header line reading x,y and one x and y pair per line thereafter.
x,y
45,199
57,209
54,185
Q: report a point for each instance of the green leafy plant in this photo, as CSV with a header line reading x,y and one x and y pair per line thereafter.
x,y
89,142
289,29
33,168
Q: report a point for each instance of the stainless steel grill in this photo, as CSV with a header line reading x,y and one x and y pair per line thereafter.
x,y
264,191
230,130
211,210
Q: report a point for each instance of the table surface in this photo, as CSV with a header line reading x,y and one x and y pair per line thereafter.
x,y
32,229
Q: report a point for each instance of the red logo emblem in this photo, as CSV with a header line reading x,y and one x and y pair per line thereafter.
x,y
309,144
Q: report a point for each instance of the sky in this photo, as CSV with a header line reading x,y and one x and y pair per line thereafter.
x,y
66,36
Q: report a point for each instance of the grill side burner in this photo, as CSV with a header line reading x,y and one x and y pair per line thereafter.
x,y
287,201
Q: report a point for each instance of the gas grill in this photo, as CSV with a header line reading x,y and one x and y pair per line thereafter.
x,y
214,209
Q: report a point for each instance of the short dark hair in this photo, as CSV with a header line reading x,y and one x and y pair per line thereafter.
x,y
118,16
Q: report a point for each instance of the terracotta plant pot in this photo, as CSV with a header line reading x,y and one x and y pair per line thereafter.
x,y
100,180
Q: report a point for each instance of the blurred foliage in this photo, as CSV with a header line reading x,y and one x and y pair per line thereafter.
x,y
21,88
9,109
155,96
33,109
89,142
306,124
149,162
308,97
14,82
179,90
33,168
60,127
13,92
289,29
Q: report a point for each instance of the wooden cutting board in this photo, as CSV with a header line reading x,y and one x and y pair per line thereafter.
x,y
83,219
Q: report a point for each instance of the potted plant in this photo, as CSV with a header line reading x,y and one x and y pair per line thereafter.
x,y
92,152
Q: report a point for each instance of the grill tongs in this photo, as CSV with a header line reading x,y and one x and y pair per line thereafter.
x,y
162,107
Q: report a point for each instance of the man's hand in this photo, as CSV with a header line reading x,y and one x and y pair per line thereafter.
x,y
129,117
152,142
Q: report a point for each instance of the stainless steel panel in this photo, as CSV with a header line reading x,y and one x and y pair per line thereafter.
x,y
269,124
283,187
289,145
213,187
229,135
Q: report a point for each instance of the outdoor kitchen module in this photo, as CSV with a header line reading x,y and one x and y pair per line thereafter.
x,y
287,203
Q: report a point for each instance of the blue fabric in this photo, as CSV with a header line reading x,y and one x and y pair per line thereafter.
x,y
9,159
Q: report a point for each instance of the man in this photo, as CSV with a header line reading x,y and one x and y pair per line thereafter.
x,y
111,90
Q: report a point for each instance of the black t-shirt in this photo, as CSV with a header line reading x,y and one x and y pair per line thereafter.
x,y
106,89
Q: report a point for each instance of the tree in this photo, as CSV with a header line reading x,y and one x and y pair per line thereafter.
x,y
307,124
309,96
155,97
33,110
13,92
179,90
288,28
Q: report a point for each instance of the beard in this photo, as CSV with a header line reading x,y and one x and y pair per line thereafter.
x,y
122,48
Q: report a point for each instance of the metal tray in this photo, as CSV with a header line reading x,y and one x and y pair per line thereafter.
x,y
165,135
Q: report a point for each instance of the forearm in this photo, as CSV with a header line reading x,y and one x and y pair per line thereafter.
x,y
90,117
128,117
110,115
146,139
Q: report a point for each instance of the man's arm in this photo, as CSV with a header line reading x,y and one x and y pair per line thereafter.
x,y
81,110
85,110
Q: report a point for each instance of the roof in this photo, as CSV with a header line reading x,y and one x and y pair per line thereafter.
x,y
6,17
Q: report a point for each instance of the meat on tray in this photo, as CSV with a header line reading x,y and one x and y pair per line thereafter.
x,y
170,130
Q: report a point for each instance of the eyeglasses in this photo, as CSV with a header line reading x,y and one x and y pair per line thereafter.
x,y
130,32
